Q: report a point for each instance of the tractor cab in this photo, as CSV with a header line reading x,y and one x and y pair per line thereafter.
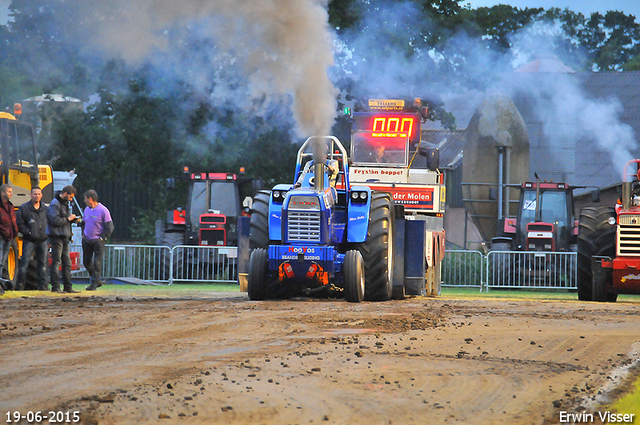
x,y
545,219
368,149
213,207
18,158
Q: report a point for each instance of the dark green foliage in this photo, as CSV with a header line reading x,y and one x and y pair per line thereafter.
x,y
142,122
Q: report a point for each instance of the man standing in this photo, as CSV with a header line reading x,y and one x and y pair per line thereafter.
x,y
8,225
32,223
98,226
59,220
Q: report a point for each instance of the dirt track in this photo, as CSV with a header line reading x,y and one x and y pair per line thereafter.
x,y
223,359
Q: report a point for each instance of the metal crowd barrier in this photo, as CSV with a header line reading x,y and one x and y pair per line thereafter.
x,y
204,263
463,269
145,262
549,270
167,265
510,269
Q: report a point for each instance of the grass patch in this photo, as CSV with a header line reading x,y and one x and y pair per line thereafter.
x,y
630,403
200,289
176,290
528,294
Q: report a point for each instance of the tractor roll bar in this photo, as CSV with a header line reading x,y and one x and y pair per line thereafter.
x,y
333,144
626,183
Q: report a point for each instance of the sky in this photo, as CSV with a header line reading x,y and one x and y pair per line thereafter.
x,y
586,7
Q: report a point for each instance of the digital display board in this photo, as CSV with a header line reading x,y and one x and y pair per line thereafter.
x,y
388,124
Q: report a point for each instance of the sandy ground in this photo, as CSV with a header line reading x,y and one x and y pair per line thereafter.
x,y
221,358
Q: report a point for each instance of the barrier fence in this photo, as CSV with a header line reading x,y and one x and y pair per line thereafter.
x,y
167,265
510,269
196,264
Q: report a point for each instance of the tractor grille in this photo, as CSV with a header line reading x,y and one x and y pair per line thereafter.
x,y
630,219
539,227
304,226
212,237
213,219
629,236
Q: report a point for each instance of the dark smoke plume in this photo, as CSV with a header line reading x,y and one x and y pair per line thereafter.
x,y
283,47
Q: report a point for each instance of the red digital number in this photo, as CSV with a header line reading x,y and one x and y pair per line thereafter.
x,y
393,125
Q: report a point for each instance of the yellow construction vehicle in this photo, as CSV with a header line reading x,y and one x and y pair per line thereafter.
x,y
19,167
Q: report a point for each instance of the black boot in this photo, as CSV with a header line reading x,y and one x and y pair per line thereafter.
x,y
56,289
69,290
92,287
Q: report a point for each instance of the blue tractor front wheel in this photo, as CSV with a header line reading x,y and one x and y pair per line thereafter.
x,y
258,279
353,269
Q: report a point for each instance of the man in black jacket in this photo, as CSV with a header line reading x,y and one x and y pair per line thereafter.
x,y
59,219
32,223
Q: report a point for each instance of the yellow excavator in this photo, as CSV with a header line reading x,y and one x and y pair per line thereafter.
x,y
19,167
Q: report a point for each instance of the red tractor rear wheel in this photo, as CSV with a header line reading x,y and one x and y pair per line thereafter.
x,y
596,237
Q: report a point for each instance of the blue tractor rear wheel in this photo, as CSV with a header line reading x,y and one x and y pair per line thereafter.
x,y
259,233
353,270
377,250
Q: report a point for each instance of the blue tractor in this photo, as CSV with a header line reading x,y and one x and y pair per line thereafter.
x,y
322,235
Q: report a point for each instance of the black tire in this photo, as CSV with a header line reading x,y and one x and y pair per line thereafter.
x,y
595,237
171,240
10,269
353,270
31,279
259,230
257,280
398,292
500,266
377,250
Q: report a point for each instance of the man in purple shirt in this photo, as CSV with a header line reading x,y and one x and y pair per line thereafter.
x,y
97,227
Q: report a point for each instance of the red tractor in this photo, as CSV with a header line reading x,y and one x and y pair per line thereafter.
x,y
609,244
210,216
543,230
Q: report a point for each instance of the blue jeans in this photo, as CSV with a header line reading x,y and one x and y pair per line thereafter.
x,y
60,255
40,249
5,244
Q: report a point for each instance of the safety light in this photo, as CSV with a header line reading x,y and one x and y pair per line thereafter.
x,y
346,110
17,109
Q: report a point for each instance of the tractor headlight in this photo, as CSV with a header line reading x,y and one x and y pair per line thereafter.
x,y
276,194
358,196
612,221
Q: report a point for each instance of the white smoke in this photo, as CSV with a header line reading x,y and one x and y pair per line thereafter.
x,y
283,47
569,116
568,113
462,65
